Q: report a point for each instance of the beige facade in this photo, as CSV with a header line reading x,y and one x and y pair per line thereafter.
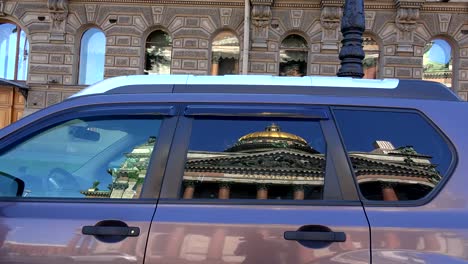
x,y
401,29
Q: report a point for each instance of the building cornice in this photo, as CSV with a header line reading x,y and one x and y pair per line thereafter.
x,y
455,7
166,2
445,7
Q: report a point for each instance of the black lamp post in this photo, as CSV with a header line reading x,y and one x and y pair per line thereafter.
x,y
352,27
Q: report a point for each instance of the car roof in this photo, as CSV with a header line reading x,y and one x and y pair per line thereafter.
x,y
264,84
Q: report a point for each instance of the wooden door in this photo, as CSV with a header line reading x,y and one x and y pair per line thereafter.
x,y
11,105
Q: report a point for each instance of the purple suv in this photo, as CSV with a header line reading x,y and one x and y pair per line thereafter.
x,y
238,169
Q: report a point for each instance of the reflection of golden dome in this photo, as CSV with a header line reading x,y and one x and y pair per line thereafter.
x,y
274,132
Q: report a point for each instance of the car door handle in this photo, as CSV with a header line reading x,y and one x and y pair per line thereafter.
x,y
315,236
110,231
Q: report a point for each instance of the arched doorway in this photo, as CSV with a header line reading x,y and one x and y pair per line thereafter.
x,y
293,56
225,54
158,53
437,62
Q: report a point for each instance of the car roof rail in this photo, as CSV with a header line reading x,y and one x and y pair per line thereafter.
x,y
265,84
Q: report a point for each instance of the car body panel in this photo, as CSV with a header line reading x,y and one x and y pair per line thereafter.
x,y
249,234
436,232
50,232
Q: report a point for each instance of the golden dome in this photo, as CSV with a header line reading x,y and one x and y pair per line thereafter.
x,y
274,132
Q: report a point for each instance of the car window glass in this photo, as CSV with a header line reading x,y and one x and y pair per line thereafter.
x,y
85,158
255,159
396,156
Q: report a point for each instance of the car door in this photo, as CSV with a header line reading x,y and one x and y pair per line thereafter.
x,y
401,161
85,174
258,184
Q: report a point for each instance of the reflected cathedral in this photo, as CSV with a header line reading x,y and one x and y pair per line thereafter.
x,y
274,164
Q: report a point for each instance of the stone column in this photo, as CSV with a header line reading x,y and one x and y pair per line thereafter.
x,y
262,192
189,189
224,190
299,192
388,192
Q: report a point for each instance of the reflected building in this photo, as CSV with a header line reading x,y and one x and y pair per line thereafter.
x,y
127,180
273,164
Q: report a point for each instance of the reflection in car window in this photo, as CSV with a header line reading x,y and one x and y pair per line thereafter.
x,y
255,159
92,158
395,155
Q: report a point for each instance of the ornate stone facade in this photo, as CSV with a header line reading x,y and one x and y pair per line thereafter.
x,y
401,28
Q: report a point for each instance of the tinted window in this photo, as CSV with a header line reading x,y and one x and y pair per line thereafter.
x,y
92,158
255,159
395,155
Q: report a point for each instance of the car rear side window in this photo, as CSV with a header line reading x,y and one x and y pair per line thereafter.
x,y
84,158
255,159
395,155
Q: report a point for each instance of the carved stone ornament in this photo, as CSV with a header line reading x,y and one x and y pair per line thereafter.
x,y
330,17
2,7
58,10
261,15
261,18
407,18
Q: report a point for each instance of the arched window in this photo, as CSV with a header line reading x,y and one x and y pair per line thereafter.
x,y
371,60
158,53
14,51
437,62
293,56
92,56
225,54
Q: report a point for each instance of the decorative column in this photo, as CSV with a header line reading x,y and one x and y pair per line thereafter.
x,y
224,190
189,189
406,21
58,10
261,17
352,27
330,20
388,192
299,192
262,192
408,58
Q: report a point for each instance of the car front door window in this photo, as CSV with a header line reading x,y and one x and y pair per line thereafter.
x,y
85,158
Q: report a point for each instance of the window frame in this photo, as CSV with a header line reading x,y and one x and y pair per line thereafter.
x,y
82,72
158,159
339,182
17,49
414,203
145,61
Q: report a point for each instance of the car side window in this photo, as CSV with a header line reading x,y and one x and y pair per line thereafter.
x,y
395,155
84,158
232,158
